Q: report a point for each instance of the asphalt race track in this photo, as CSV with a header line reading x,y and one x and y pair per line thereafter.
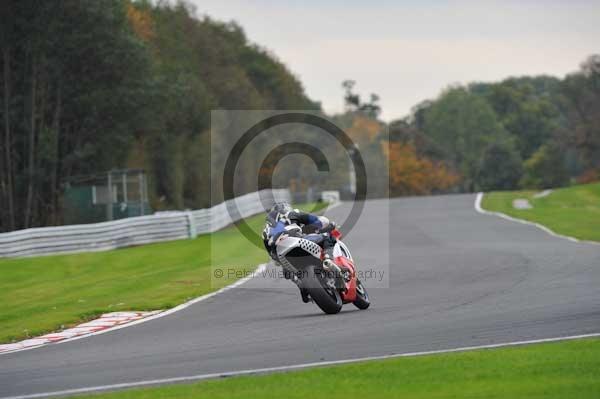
x,y
456,278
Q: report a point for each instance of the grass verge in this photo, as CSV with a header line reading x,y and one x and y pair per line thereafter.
x,y
572,211
43,294
568,369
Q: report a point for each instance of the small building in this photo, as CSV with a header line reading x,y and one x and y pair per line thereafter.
x,y
111,195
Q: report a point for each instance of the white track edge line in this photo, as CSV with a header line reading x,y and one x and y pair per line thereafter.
x,y
261,268
200,377
479,209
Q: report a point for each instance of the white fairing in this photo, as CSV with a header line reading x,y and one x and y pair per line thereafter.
x,y
340,249
286,243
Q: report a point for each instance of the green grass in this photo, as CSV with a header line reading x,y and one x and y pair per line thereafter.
x,y
43,294
569,369
572,211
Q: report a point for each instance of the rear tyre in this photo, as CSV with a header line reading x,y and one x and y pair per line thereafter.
x,y
362,298
326,297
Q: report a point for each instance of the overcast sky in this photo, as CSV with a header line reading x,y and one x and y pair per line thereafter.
x,y
408,51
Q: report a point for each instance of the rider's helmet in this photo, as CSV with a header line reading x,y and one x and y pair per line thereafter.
x,y
278,212
281,208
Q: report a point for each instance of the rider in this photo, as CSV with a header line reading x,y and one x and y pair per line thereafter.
x,y
282,219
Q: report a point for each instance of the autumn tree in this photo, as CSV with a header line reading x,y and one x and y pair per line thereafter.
x,y
413,175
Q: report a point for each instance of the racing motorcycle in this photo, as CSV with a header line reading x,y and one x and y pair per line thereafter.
x,y
330,281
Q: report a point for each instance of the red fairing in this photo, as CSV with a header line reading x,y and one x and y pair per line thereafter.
x,y
335,233
350,294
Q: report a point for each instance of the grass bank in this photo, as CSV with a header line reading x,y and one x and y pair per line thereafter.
x,y
569,369
572,211
43,294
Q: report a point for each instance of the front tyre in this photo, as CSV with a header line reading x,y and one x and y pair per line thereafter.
x,y
324,295
362,298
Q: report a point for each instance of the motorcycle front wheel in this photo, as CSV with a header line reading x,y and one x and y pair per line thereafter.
x,y
326,297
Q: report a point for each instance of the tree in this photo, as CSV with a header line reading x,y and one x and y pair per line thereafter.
x,y
413,175
200,65
581,94
72,79
545,169
500,167
371,108
354,103
529,116
463,124
521,114
351,99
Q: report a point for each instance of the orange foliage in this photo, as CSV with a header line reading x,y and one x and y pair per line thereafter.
x,y
411,175
363,129
141,22
589,176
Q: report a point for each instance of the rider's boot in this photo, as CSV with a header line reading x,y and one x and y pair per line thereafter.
x,y
303,291
304,294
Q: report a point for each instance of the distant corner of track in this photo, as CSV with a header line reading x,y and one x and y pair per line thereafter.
x,y
479,209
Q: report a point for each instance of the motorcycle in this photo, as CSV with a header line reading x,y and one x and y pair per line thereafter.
x,y
330,281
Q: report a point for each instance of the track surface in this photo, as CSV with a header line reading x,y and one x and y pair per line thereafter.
x,y
457,278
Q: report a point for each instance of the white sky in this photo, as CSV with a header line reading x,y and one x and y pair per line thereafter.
x,y
408,51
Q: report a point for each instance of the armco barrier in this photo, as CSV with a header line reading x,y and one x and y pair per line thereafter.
x,y
164,226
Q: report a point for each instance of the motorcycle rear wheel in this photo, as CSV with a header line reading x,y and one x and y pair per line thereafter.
x,y
362,298
326,298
